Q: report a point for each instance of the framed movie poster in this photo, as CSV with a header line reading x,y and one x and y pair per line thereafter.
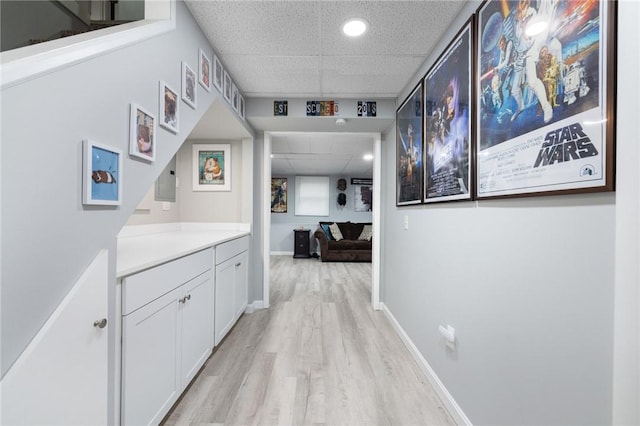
x,y
278,195
363,198
545,98
211,167
409,150
447,104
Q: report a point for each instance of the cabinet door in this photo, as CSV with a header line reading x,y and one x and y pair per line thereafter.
x,y
224,301
62,377
240,283
196,305
150,383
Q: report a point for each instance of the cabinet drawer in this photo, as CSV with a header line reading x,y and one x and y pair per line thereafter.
x,y
146,286
231,248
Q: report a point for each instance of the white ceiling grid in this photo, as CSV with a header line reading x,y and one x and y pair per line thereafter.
x,y
295,49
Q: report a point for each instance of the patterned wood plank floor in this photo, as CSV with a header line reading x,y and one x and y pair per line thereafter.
x,y
320,355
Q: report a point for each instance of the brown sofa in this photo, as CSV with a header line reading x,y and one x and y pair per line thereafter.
x,y
349,249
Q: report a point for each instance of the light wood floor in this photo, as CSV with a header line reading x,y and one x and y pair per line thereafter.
x,y
319,355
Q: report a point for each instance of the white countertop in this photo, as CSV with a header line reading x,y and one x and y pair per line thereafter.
x,y
142,247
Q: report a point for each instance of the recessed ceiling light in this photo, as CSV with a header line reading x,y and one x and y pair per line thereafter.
x,y
367,157
355,27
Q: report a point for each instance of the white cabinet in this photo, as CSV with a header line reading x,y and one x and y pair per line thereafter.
x,y
149,361
166,334
196,328
231,281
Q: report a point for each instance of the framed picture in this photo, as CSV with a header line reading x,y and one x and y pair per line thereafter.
x,y
169,104
205,70
227,86
234,96
142,134
363,200
447,129
218,73
278,195
409,181
241,106
545,122
188,85
212,167
101,174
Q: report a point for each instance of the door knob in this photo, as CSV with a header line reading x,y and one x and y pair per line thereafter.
x,y
102,323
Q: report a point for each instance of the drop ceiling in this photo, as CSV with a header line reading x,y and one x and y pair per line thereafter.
x,y
295,49
322,154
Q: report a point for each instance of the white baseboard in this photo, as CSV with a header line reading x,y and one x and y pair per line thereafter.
x,y
252,307
281,253
451,405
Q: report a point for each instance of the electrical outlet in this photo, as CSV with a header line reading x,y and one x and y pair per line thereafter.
x,y
166,205
406,222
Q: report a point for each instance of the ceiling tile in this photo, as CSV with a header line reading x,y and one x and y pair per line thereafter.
x,y
259,27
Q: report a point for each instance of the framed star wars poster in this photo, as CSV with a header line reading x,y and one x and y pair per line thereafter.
x,y
447,104
546,97
409,136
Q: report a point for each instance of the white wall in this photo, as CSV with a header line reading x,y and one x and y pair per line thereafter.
x,y
626,367
530,286
283,224
48,236
205,206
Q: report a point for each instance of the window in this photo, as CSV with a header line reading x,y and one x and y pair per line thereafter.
x,y
312,196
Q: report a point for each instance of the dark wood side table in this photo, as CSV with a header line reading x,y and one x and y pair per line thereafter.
x,y
301,243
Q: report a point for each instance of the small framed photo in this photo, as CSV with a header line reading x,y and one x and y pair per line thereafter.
x,y
241,106
188,85
205,70
218,73
278,195
168,108
101,174
211,167
234,96
142,134
227,86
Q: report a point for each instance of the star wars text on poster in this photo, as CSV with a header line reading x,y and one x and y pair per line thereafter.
x,y
565,144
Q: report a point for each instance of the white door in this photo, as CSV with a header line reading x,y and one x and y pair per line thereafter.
x,y
241,278
150,383
224,309
196,304
61,378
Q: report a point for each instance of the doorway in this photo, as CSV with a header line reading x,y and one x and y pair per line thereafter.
x,y
376,217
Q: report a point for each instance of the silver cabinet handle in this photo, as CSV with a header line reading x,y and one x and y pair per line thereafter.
x,y
188,297
238,264
184,299
101,323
